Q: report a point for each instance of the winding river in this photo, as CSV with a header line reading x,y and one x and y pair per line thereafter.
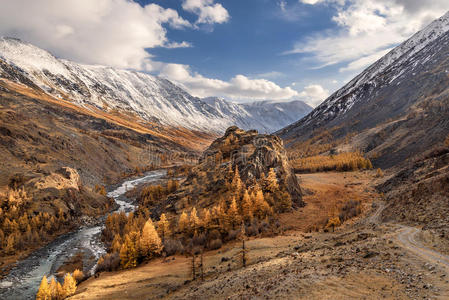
x,y
23,280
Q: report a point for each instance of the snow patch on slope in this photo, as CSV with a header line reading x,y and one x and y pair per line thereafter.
x,y
151,98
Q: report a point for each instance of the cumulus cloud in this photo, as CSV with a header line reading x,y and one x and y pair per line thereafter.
x,y
314,94
367,28
239,87
208,12
109,32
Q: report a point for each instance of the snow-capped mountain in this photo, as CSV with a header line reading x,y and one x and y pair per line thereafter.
x,y
388,80
265,116
149,97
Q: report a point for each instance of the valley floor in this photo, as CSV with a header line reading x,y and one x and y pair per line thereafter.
x,y
363,259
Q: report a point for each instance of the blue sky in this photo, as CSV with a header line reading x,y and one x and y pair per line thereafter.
x,y
242,50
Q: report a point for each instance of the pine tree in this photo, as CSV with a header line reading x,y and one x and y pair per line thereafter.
x,y
221,214
44,292
283,201
261,207
272,181
60,291
247,207
207,219
233,214
150,243
69,285
236,184
163,227
10,244
183,222
54,289
116,243
194,221
128,254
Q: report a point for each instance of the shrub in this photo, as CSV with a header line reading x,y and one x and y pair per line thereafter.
x,y
78,275
350,210
215,244
199,239
232,235
172,247
379,173
214,235
109,262
252,230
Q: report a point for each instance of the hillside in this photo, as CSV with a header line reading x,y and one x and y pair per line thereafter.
x,y
150,98
395,109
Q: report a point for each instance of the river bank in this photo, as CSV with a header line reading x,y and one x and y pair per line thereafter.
x,y
23,279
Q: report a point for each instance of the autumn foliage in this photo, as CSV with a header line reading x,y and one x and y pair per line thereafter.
x,y
21,228
137,237
54,290
347,161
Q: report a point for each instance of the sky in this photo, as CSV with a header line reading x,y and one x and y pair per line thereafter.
x,y
242,50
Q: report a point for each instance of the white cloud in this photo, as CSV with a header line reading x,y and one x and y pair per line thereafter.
x,y
310,1
282,5
109,32
239,87
208,12
174,45
270,75
367,28
314,94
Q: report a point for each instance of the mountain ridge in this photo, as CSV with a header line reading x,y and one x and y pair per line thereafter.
x,y
344,99
151,98
397,108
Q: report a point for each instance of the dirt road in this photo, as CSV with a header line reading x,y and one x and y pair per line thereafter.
x,y
406,237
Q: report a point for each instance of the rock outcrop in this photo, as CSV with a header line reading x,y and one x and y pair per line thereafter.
x,y
253,154
61,190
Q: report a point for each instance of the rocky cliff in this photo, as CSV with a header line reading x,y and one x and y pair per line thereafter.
x,y
254,155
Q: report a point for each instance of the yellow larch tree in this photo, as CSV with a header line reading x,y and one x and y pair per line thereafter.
x,y
206,219
44,292
150,243
233,215
247,207
194,221
128,254
183,222
163,227
69,286
236,184
272,181
261,206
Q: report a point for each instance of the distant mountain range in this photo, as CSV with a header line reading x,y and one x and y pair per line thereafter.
x,y
397,108
149,97
265,116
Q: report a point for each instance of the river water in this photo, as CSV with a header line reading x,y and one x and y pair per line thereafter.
x,y
23,280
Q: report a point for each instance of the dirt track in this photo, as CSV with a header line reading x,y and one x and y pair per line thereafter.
x,y
406,237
